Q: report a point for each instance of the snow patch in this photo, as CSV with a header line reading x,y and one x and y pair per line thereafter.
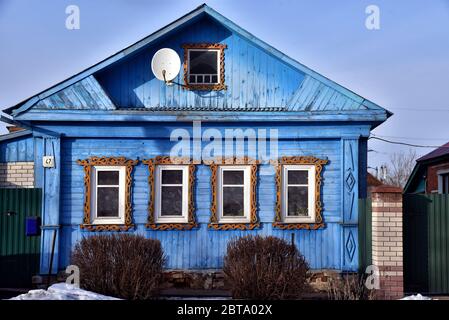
x,y
62,291
416,297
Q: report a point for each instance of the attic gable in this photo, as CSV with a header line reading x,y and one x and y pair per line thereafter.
x,y
258,77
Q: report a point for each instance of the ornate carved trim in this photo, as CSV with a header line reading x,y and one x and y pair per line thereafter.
x,y
318,163
216,87
254,221
107,161
151,224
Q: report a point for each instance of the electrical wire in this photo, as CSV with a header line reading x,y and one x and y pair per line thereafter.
x,y
407,144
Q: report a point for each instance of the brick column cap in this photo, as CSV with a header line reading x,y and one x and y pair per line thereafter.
x,y
386,189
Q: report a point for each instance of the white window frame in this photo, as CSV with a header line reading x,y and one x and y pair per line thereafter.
x,y
311,217
440,174
185,194
218,67
121,201
246,218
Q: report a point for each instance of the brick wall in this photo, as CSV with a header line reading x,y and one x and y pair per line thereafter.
x,y
432,176
17,175
387,245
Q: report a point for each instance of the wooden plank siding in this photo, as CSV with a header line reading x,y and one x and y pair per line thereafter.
x,y
255,79
203,248
17,149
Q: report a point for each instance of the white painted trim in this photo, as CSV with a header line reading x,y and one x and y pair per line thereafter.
x,y
158,194
121,186
311,218
246,218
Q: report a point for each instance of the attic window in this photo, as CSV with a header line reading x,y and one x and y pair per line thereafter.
x,y
204,66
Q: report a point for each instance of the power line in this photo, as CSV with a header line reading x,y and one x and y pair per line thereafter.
x,y
408,138
406,144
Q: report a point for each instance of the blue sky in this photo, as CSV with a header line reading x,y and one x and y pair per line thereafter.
x,y
404,66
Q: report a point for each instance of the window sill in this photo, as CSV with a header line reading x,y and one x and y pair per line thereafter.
x,y
298,226
107,227
205,87
171,226
233,226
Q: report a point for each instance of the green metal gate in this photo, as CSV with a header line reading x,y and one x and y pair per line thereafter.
x,y
365,233
19,253
426,243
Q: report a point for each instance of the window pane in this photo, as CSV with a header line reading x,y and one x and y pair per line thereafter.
x,y
297,201
233,201
206,79
107,202
203,62
233,177
214,79
199,79
171,201
171,176
108,177
297,176
445,183
192,79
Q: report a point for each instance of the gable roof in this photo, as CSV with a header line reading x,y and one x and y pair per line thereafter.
x,y
439,152
315,93
14,135
414,182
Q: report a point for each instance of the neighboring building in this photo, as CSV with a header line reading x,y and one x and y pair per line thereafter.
x,y
17,159
431,173
101,144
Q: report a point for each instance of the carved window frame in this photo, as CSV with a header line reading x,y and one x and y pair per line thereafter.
x,y
214,221
214,87
191,219
107,161
299,160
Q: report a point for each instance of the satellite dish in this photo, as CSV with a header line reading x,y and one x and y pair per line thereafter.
x,y
166,65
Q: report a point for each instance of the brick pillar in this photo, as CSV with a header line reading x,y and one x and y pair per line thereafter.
x,y
387,240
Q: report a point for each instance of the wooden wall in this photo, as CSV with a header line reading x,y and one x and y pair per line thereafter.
x,y
255,79
203,248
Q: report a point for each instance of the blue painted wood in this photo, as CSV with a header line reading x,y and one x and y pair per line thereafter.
x,y
131,84
203,248
258,76
368,116
17,149
149,130
350,194
51,205
84,94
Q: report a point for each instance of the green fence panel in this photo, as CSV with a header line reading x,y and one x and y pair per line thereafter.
x,y
19,254
365,233
426,243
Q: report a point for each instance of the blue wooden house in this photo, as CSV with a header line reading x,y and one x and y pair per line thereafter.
x,y
117,150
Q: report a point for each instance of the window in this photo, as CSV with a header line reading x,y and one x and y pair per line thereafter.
x,y
298,193
107,194
443,181
108,198
234,194
172,193
204,66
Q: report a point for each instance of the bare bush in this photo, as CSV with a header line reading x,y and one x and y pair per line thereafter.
x,y
124,266
349,287
258,267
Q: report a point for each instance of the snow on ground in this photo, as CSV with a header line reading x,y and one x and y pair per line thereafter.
x,y
416,297
62,291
